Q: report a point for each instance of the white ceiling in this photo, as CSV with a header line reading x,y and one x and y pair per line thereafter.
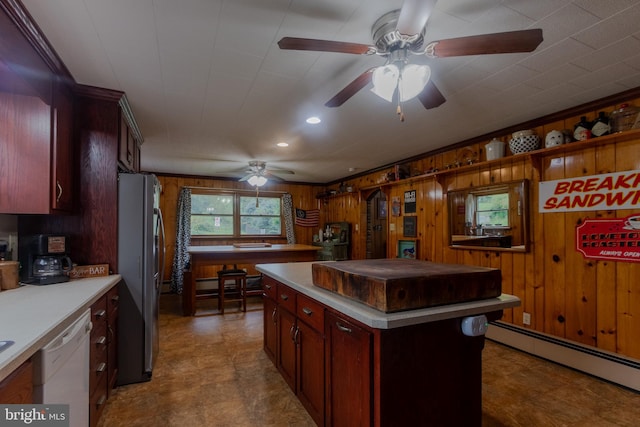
x,y
211,90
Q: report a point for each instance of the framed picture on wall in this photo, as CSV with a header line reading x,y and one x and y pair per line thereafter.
x,y
408,249
382,209
410,226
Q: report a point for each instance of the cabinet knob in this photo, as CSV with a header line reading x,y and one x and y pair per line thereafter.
x,y
100,314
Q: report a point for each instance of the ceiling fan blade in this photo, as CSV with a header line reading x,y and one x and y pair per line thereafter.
x,y
508,42
245,178
414,16
431,97
272,177
351,89
295,43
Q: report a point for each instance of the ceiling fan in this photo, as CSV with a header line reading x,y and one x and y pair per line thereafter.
x,y
399,34
258,174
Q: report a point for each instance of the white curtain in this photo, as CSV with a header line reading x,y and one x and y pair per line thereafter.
x,y
183,239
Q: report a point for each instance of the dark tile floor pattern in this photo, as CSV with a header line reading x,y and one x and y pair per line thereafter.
x,y
212,372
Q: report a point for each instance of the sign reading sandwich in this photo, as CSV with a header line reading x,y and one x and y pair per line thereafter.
x,y
610,191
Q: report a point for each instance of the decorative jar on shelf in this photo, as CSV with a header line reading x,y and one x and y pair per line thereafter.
x,y
524,141
494,149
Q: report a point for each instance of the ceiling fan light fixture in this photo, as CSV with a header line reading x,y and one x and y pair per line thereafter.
x,y
413,80
385,81
257,180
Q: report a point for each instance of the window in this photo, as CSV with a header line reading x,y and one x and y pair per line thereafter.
x,y
492,209
228,214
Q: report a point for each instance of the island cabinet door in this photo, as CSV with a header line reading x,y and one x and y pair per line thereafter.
x,y
270,328
286,355
310,342
348,370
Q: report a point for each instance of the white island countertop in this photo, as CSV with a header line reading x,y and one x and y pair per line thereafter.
x,y
33,315
297,275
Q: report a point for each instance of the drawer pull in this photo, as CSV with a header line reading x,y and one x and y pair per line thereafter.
x,y
100,314
284,297
101,401
307,311
292,334
101,367
115,298
273,315
101,340
268,287
343,328
295,336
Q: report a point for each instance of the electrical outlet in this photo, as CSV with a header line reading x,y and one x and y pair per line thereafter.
x,y
526,318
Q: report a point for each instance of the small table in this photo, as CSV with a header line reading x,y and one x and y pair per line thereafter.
x,y
219,255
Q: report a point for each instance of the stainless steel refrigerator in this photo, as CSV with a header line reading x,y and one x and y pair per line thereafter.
x,y
141,263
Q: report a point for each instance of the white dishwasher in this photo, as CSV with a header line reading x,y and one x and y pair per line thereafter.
x,y
61,371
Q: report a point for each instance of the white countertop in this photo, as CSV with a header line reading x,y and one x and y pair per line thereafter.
x,y
297,275
32,315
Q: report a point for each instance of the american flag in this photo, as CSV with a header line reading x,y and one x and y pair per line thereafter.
x,y
310,218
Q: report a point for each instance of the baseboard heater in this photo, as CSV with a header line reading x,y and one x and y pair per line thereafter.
x,y
599,363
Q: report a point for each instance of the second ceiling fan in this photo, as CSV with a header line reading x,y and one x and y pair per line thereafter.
x,y
399,34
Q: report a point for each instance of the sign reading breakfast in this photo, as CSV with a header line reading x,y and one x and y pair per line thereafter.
x,y
616,239
610,191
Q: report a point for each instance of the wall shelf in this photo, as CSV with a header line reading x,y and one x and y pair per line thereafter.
x,y
534,156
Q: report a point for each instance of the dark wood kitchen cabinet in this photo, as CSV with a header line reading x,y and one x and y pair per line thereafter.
x,y
17,388
103,353
348,372
294,341
62,167
36,110
128,150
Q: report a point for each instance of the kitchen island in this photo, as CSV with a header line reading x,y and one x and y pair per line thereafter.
x,y
351,364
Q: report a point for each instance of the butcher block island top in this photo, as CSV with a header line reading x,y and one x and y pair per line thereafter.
x,y
391,285
298,275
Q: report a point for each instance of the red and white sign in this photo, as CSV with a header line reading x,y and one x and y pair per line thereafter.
x,y
610,191
616,239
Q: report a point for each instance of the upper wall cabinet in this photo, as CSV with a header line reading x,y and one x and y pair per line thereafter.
x,y
36,110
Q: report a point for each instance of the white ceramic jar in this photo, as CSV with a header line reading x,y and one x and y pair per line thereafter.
x,y
494,149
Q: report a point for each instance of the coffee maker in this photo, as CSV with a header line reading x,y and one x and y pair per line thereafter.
x,y
44,259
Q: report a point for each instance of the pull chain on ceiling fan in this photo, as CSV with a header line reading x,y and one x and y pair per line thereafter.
x,y
399,34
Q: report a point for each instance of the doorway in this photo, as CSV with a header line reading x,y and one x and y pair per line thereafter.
x,y
377,211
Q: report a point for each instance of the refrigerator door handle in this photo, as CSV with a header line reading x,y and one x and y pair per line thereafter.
x,y
164,247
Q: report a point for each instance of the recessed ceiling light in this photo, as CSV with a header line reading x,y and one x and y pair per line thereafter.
x,y
282,144
313,120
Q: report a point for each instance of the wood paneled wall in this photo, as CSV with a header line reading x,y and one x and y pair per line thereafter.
x,y
588,301
592,302
304,197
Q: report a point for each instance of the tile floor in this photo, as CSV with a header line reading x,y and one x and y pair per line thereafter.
x,y
212,372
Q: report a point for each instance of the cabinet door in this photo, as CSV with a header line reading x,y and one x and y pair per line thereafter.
x,y
286,356
62,147
348,373
125,155
25,154
270,328
310,372
18,386
112,334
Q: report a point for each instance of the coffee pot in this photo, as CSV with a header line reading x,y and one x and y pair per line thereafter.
x,y
44,259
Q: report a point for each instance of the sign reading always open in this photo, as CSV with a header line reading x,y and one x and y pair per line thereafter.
x,y
616,239
611,191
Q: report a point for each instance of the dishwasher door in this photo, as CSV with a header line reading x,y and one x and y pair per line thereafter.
x,y
61,371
